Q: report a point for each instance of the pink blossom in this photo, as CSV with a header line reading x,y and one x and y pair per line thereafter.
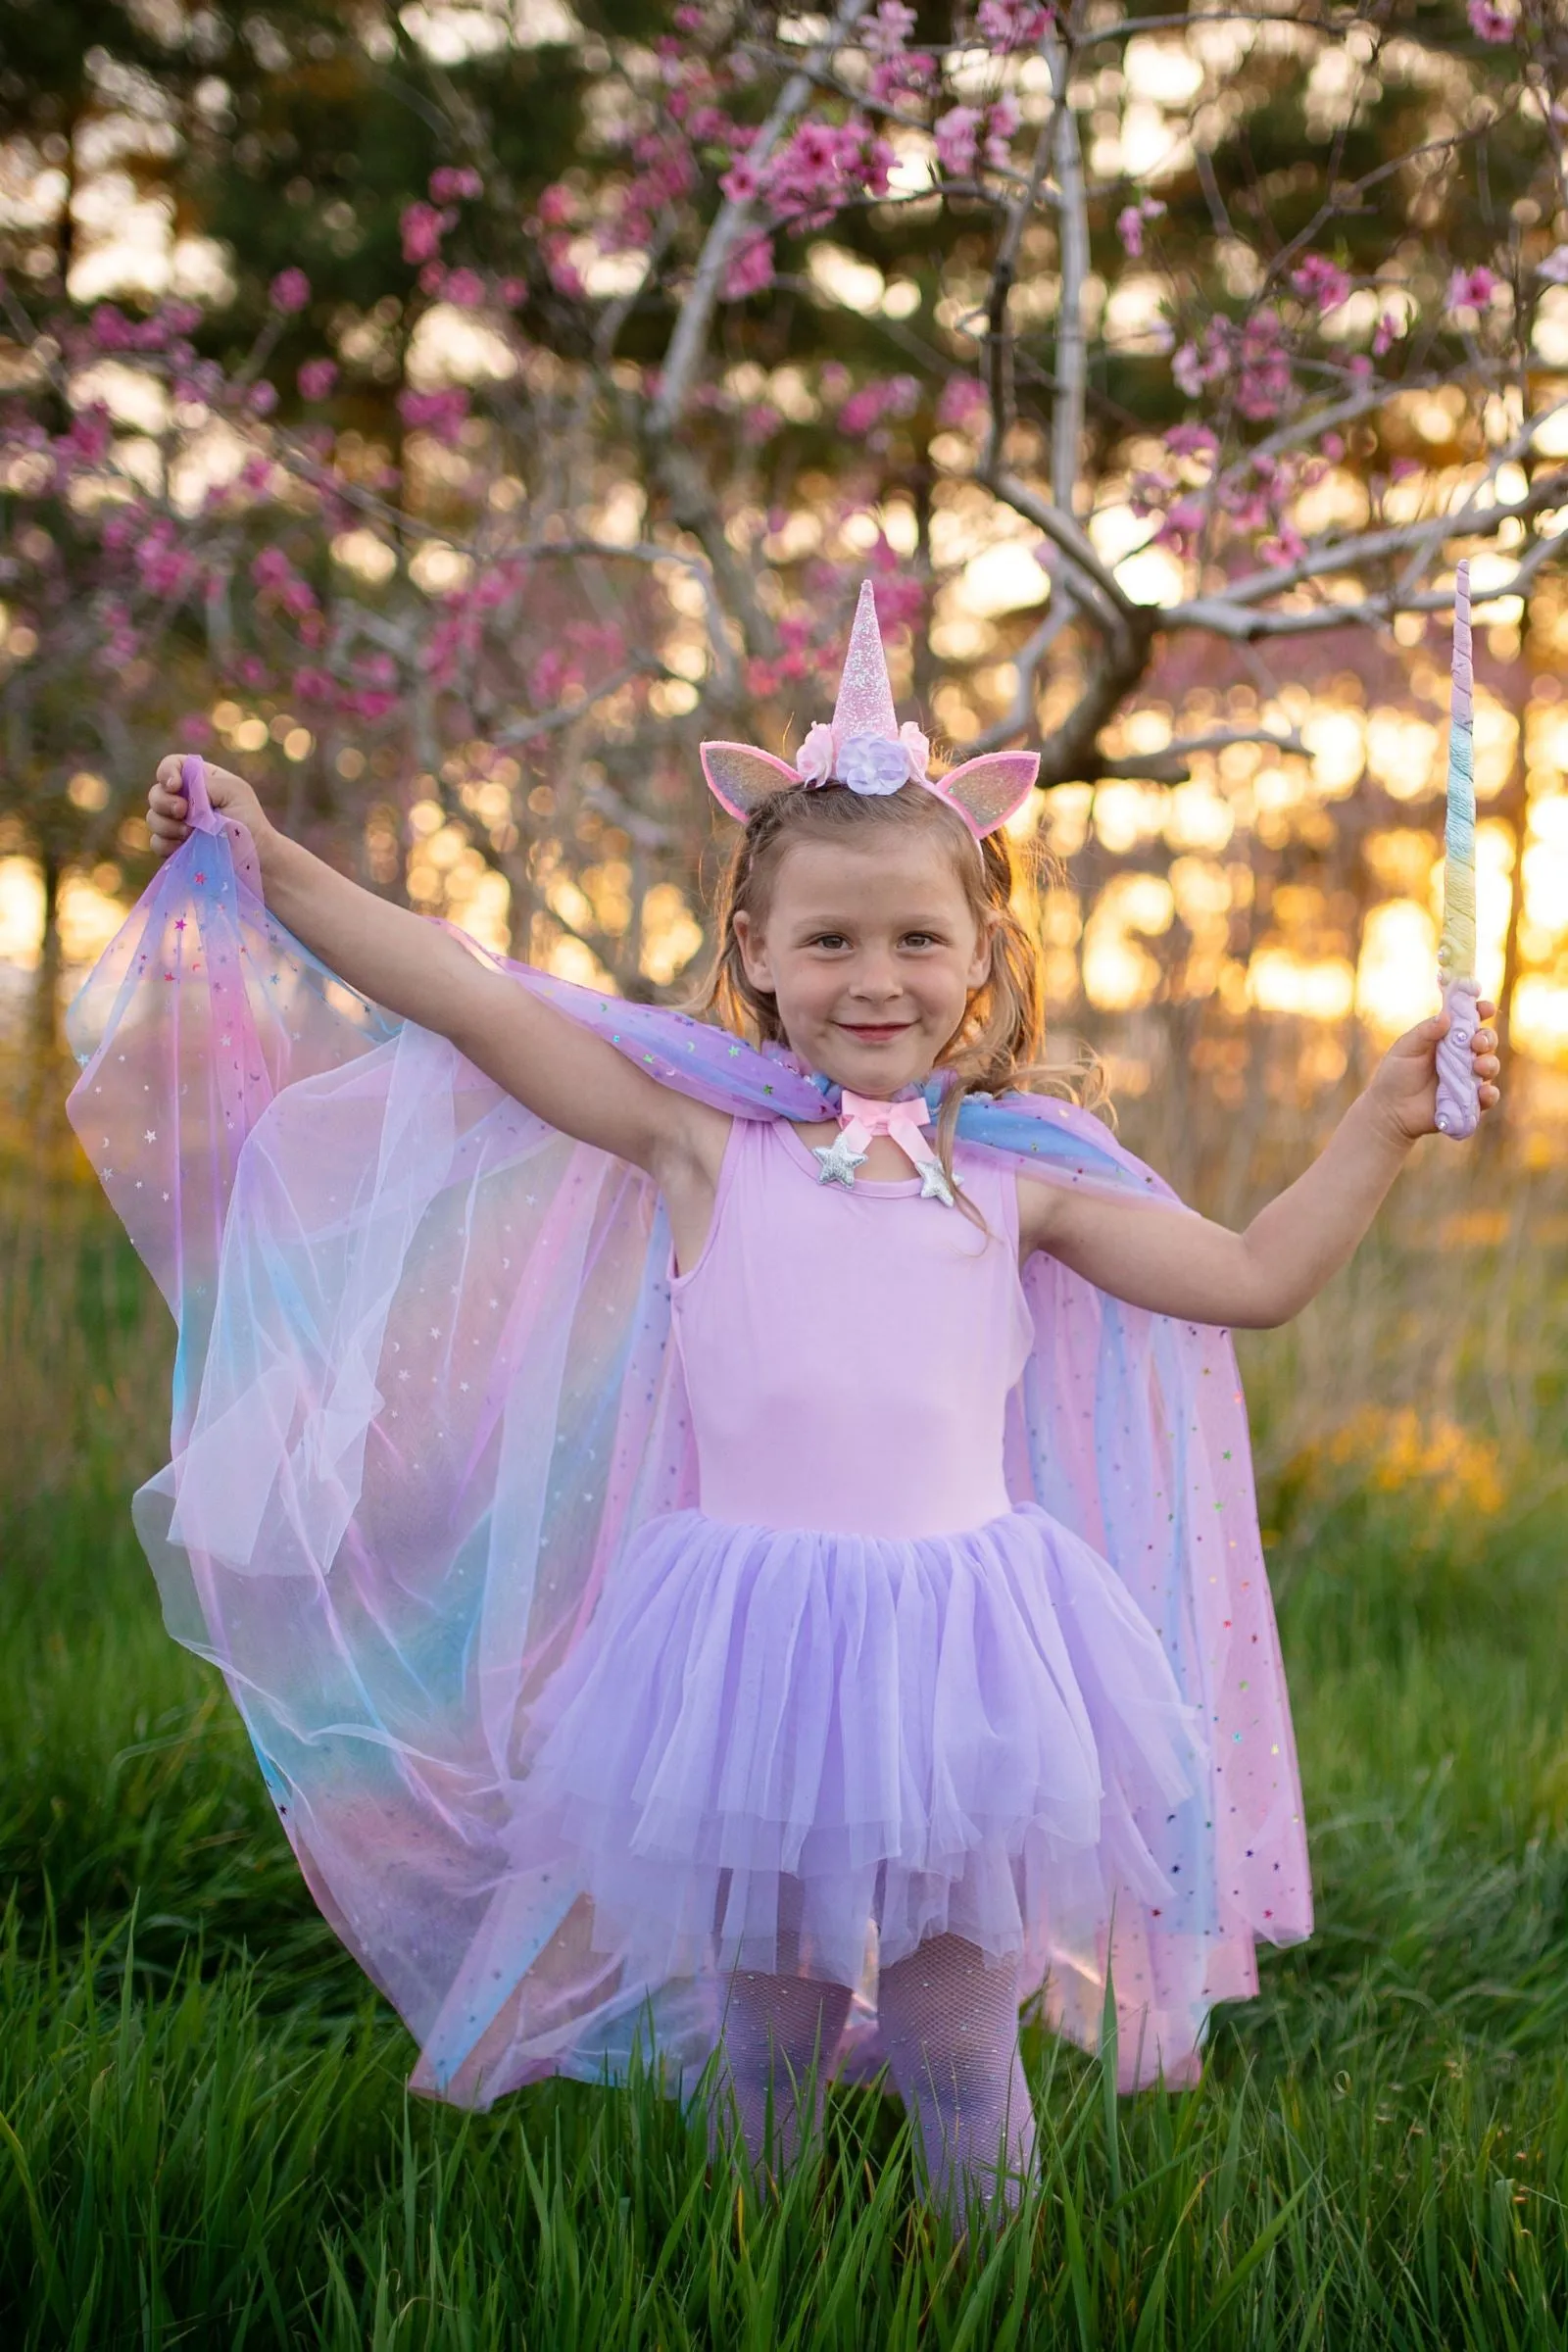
x,y
887,28
1471,289
1007,25
1333,447
957,134
861,411
512,293
316,378
962,397
1001,123
1191,441
110,329
90,434
1287,547
557,206
450,182
739,184
262,398
1491,24
1130,229
422,228
750,269
1264,378
1386,333
1555,268
1185,368
1321,281
1182,522
441,413
464,288
290,291
564,274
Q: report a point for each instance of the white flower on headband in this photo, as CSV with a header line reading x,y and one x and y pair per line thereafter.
x,y
918,749
814,761
870,763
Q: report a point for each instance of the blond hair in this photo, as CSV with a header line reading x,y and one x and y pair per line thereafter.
x,y
1000,1045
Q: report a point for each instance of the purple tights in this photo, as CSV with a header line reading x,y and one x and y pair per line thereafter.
x,y
948,2022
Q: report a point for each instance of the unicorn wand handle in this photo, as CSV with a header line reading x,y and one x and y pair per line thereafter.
x,y
1458,1105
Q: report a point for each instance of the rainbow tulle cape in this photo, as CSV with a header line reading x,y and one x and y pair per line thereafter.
x,y
424,1387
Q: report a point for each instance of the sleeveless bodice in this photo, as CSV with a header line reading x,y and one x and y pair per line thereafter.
x,y
849,1354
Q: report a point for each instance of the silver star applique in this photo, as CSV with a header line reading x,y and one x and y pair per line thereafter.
x,y
935,1183
838,1162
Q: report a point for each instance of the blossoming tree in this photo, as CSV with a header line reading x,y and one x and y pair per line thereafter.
x,y
1090,333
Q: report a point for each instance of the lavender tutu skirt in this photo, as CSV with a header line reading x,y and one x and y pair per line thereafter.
x,y
769,1742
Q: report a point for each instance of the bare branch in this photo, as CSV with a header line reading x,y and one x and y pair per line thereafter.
x,y
551,723
1371,612
1072,356
1074,543
1071,754
1370,547
1000,348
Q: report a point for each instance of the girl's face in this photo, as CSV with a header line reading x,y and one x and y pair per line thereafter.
x,y
871,955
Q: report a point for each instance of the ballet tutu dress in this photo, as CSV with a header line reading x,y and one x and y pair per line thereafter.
x,y
856,1698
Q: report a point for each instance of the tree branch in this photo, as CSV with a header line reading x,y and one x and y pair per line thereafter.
x,y
1171,766
1071,354
1370,547
687,343
1105,587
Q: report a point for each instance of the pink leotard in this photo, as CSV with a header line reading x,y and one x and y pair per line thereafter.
x,y
848,1353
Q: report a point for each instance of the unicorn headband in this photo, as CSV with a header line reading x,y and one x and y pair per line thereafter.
x,y
866,749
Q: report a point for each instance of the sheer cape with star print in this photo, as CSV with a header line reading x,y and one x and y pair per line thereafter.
x,y
424,1388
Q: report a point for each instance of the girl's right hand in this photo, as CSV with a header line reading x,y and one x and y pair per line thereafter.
x,y
167,812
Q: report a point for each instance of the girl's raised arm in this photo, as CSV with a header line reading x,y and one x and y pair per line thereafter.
x,y
561,1071
1179,1265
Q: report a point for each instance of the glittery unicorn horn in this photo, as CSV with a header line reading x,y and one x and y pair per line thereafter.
x,y
866,749
1458,1113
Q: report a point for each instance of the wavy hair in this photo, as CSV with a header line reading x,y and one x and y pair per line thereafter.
x,y
1000,1045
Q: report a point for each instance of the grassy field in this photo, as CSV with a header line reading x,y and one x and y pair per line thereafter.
x,y
204,2135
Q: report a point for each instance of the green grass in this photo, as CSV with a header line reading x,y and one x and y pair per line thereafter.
x,y
204,2135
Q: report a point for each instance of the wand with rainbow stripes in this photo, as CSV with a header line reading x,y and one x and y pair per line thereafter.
x,y
1458,1113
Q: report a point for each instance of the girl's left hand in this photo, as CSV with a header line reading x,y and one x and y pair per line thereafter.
x,y
1404,1084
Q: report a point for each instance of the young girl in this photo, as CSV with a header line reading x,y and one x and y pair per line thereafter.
x,y
697,1527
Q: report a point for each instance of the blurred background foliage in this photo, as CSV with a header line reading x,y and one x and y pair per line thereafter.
x,y
1236,929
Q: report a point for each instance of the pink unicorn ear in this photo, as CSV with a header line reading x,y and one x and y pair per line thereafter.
x,y
741,778
986,790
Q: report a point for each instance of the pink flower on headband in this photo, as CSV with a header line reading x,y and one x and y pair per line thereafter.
x,y
870,763
814,761
918,751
